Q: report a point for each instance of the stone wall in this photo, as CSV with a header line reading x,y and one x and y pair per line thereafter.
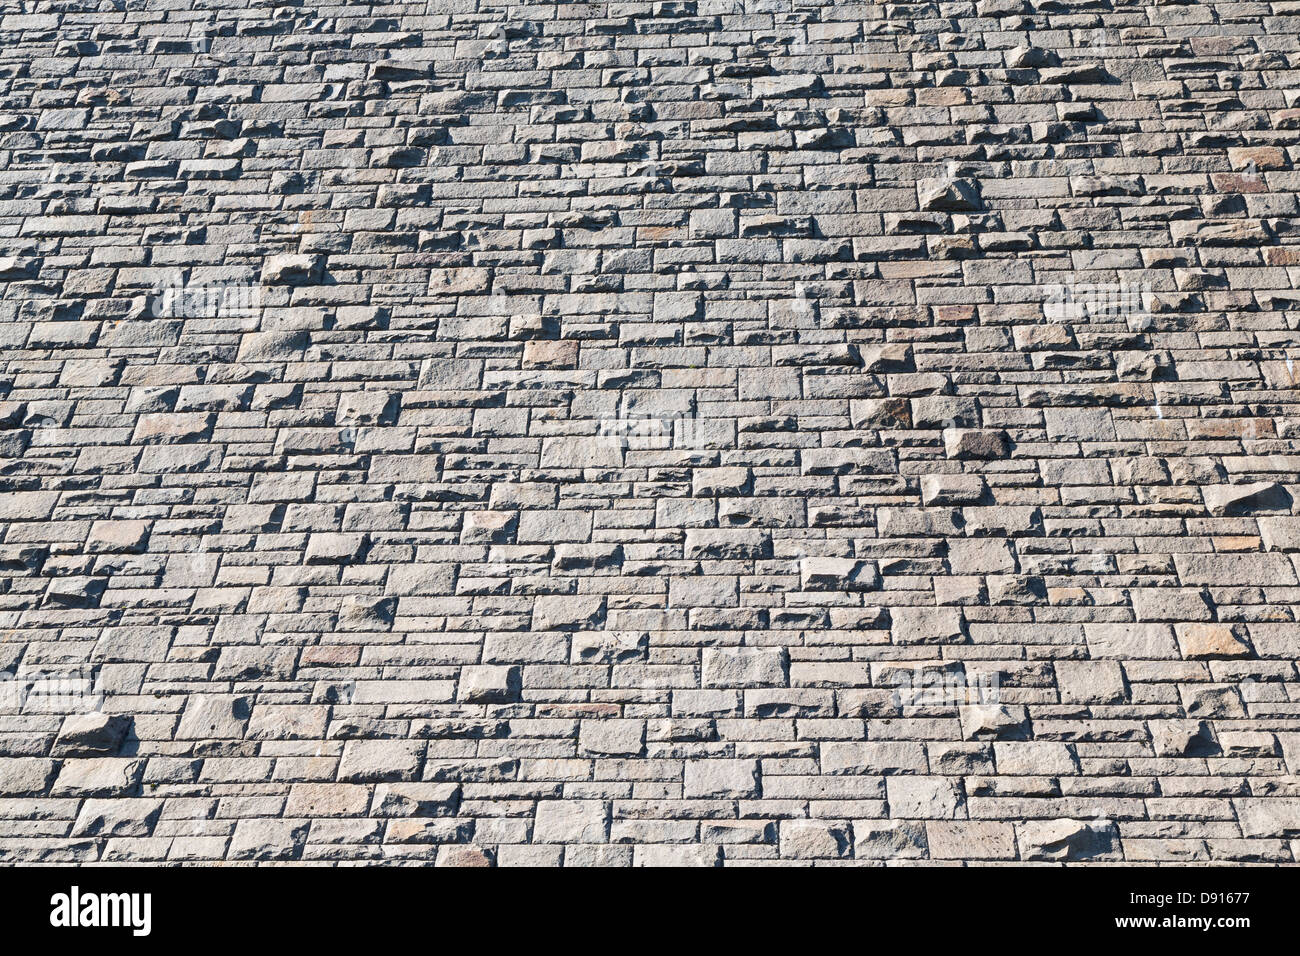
x,y
674,432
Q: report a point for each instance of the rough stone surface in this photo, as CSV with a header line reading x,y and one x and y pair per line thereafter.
x,y
685,433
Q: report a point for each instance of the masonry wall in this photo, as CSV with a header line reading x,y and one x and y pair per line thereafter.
x,y
743,431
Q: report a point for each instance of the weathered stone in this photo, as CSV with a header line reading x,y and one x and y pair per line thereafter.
x,y
567,612
209,717
966,443
948,195
360,613
1091,682
1181,738
926,625
925,798
415,800
264,840
992,721
745,667
1209,641
611,738
1280,534
335,548
815,839
889,840
1269,817
1242,499
91,735
1063,840
123,817
292,270
838,574
118,537
489,684
721,779
952,489
366,761
26,776
98,777
571,821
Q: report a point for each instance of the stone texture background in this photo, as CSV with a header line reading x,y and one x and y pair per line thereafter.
x,y
609,413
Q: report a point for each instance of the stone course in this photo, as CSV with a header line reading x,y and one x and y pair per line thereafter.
x,y
688,432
